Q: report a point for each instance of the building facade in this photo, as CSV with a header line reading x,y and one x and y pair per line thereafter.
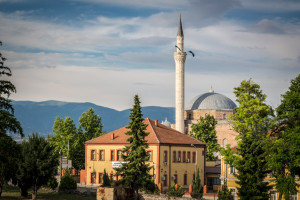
x,y
174,156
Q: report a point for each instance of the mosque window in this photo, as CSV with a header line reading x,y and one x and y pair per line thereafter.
x,y
183,156
224,142
190,116
224,116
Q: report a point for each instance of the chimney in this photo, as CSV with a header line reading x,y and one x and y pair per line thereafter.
x,y
156,123
112,136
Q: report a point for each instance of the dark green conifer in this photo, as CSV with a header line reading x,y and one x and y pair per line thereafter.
x,y
135,171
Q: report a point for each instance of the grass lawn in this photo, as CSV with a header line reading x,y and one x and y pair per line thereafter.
x,y
11,193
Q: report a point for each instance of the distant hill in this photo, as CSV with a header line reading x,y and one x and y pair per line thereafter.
x,y
39,116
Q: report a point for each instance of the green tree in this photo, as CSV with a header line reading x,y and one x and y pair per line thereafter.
x,y
64,135
225,193
90,124
283,146
106,180
197,187
9,158
67,182
37,164
252,120
205,131
8,122
135,171
176,191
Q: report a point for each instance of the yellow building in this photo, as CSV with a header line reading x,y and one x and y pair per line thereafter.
x,y
228,172
174,156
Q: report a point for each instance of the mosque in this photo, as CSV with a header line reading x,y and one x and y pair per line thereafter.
x,y
215,104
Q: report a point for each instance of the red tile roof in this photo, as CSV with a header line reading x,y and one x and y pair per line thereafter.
x,y
159,134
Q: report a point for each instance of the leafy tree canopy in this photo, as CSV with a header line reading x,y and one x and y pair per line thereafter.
x,y
38,162
9,158
90,124
252,119
64,135
8,122
283,145
205,131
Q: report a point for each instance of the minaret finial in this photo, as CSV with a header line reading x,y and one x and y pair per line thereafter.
x,y
211,89
180,31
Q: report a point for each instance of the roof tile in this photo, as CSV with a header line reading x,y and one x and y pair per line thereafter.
x,y
159,134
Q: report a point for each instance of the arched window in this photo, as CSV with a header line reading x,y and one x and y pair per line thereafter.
x,y
224,142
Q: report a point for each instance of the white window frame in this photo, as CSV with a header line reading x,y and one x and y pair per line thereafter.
x,y
274,193
231,169
293,196
233,193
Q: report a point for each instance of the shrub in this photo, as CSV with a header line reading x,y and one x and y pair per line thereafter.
x,y
52,183
150,188
224,193
106,180
197,187
67,182
179,192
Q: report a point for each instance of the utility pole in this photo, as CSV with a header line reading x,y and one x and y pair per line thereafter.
x,y
60,173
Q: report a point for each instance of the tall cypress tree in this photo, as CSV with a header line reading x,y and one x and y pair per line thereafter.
x,y
252,121
135,171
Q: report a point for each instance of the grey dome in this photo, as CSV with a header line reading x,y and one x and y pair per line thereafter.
x,y
211,101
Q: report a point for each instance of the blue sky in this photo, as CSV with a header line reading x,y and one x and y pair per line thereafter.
x,y
104,51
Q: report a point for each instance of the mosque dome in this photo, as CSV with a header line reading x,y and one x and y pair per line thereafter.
x,y
211,101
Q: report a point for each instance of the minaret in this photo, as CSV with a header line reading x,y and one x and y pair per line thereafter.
x,y
179,57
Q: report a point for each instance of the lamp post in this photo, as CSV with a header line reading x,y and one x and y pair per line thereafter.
x,y
60,173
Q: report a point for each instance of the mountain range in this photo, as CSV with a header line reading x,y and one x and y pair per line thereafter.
x,y
39,116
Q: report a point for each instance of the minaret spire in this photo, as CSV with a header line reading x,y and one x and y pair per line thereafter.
x,y
180,31
179,57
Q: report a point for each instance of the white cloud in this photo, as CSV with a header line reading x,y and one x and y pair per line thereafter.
x,y
108,60
158,4
272,6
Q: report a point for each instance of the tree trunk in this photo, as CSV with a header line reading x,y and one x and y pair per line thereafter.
x,y
23,191
34,193
137,193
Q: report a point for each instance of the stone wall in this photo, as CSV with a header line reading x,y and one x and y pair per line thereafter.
x,y
163,197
